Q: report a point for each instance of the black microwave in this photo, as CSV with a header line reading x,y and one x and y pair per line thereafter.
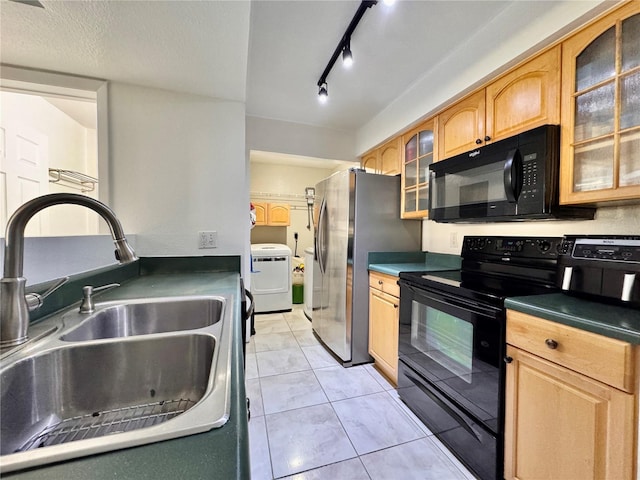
x,y
513,179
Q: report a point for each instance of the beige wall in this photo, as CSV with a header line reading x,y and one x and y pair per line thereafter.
x,y
437,237
285,180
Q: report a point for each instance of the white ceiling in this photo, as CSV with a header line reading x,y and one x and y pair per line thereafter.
x,y
267,53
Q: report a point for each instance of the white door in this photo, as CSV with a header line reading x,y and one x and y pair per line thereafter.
x,y
24,173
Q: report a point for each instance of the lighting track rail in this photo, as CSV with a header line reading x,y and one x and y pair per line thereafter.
x,y
343,47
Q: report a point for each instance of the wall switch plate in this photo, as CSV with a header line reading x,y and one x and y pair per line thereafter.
x,y
453,239
208,239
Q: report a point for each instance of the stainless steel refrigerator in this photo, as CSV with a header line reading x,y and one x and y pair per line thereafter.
x,y
354,213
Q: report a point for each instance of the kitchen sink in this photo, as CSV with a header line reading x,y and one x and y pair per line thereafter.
x,y
160,369
146,317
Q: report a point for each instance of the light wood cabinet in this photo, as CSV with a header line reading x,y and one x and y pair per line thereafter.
x,y
261,213
525,98
272,214
569,403
520,100
369,162
461,126
384,160
384,321
418,149
601,110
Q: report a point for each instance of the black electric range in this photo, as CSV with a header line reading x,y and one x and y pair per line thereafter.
x,y
453,341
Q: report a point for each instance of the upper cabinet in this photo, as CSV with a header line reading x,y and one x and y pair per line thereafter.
x,y
384,160
601,110
524,98
369,162
418,147
461,127
272,214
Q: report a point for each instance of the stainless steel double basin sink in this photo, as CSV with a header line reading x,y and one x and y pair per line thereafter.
x,y
131,373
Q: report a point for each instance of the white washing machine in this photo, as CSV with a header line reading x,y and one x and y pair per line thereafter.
x,y
271,277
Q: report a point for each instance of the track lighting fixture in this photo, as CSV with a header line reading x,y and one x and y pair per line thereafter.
x,y
347,57
343,47
323,93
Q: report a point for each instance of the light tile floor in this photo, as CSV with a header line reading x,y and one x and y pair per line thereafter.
x,y
312,419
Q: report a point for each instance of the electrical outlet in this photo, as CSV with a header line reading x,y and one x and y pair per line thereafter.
x,y
453,239
207,239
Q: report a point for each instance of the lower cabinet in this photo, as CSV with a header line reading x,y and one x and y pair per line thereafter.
x,y
384,319
560,422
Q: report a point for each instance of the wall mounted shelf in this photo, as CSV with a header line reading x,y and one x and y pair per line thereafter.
x,y
73,179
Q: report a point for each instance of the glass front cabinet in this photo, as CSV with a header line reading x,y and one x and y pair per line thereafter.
x,y
601,110
417,154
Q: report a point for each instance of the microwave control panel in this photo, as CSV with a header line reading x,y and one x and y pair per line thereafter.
x,y
530,184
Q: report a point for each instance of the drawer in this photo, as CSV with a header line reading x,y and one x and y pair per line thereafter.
x,y
602,358
386,283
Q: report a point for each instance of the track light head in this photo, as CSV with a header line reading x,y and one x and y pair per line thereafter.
x,y
323,93
347,57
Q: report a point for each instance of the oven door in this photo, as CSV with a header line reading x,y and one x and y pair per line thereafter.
x,y
451,372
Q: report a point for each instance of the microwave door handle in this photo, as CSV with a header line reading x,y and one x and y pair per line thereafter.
x,y
513,175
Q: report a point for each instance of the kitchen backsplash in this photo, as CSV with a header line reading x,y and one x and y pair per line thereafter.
x,y
447,237
46,258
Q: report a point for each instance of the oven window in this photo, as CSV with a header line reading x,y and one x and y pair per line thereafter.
x,y
445,338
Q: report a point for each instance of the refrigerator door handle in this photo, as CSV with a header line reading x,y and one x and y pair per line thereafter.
x,y
320,238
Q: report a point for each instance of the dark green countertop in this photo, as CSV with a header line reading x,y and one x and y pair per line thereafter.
x,y
218,453
392,263
612,321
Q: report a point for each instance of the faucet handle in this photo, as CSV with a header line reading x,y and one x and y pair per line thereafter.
x,y
87,305
35,300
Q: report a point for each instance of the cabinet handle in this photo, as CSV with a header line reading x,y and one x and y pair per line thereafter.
x,y
508,359
487,138
552,344
395,305
478,141
380,282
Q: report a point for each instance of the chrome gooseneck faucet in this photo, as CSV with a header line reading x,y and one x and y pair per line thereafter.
x,y
14,304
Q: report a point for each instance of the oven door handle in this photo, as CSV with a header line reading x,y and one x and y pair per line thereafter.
x,y
441,299
468,428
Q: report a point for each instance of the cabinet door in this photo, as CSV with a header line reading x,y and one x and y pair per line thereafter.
x,y
383,332
389,157
370,162
601,110
278,214
525,98
261,213
461,127
419,146
560,424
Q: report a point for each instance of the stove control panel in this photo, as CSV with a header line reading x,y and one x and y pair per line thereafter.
x,y
526,247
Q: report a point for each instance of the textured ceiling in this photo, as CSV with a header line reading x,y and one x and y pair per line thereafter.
x,y
191,46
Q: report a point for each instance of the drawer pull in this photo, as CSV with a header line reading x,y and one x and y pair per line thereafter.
x,y
380,282
395,305
552,344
